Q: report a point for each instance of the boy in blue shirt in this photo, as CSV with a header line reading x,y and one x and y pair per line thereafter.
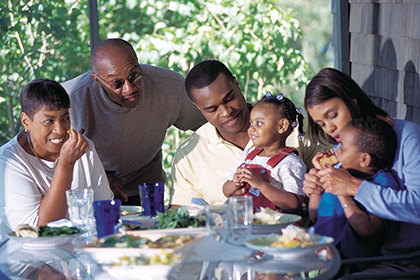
x,y
367,149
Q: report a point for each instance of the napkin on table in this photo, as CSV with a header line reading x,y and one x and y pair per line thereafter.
x,y
60,223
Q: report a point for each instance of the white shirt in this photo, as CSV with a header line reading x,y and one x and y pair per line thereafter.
x,y
25,181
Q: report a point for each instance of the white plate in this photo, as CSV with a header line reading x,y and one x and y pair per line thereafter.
x,y
152,235
134,210
285,220
143,272
161,232
42,242
108,255
145,221
263,244
105,256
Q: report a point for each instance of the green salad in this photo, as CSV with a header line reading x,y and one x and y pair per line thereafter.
x,y
172,218
45,231
178,218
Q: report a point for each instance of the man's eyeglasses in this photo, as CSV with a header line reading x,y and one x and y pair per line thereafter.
x,y
118,84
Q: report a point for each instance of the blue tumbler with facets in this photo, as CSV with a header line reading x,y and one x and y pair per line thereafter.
x,y
151,196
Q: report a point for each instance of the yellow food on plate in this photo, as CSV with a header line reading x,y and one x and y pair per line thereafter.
x,y
125,212
162,258
292,238
267,216
332,160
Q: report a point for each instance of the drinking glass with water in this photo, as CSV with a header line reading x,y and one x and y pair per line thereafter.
x,y
240,218
79,202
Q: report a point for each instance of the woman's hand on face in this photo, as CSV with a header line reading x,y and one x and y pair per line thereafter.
x,y
339,181
312,183
73,149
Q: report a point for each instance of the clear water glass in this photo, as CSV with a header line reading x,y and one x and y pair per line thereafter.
x,y
79,202
217,221
240,218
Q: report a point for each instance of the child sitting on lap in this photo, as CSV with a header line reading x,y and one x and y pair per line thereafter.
x,y
271,172
367,148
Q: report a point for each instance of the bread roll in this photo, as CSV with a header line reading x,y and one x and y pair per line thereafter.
x,y
332,160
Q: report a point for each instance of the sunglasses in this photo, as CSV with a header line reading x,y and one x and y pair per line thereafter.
x,y
118,84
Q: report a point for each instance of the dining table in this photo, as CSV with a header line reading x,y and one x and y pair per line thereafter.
x,y
205,258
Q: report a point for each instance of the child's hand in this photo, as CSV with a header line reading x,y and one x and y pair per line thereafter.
x,y
250,177
237,179
322,158
236,186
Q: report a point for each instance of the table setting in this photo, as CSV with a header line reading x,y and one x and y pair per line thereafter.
x,y
223,242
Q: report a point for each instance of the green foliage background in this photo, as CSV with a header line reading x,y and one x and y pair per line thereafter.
x,y
259,41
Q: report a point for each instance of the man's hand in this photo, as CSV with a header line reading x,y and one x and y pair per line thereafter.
x,y
117,187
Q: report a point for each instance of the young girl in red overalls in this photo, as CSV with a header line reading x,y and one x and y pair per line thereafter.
x,y
269,171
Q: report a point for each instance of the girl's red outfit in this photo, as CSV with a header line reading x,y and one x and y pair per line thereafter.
x,y
258,198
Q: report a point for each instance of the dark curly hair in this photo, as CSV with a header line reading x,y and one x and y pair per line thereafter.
x,y
377,138
285,108
43,92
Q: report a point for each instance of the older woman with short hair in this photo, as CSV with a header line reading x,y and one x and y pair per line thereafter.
x,y
44,160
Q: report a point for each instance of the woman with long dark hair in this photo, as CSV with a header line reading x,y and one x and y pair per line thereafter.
x,y
332,99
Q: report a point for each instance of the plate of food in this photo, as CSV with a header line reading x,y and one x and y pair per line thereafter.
x,y
172,221
139,248
270,221
143,265
44,236
127,210
138,256
297,241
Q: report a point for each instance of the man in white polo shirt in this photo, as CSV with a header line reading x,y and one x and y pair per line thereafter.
x,y
203,162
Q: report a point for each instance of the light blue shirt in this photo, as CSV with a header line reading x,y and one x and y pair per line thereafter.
x,y
398,205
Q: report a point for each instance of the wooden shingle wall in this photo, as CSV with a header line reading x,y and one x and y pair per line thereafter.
x,y
385,53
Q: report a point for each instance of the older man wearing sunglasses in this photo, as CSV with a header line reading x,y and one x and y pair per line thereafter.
x,y
126,108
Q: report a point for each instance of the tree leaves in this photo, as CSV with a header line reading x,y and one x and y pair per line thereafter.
x,y
50,39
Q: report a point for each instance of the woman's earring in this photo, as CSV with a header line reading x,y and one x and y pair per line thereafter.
x,y
26,130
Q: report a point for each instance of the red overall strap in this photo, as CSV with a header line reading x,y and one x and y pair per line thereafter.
x,y
280,156
255,152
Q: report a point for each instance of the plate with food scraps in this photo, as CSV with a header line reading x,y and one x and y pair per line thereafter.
x,y
142,272
292,241
147,239
175,220
127,210
142,266
44,236
139,243
269,221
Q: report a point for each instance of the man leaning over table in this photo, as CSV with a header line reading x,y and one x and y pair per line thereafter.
x,y
126,108
203,162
